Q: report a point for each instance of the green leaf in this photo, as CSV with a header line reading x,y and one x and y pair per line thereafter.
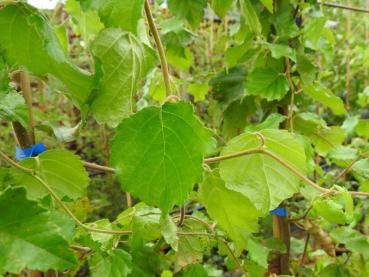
x,y
271,122
267,83
124,61
28,237
221,7
160,161
330,210
326,98
335,270
192,11
279,50
284,22
234,212
229,86
268,4
118,263
352,239
362,128
313,29
13,107
145,227
361,168
124,14
196,270
249,15
36,47
60,169
258,253
87,21
235,116
191,249
325,140
259,177
169,231
306,69
198,91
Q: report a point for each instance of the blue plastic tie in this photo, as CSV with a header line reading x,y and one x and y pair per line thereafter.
x,y
33,151
282,212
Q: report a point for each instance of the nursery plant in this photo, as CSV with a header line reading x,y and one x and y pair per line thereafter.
x,y
184,138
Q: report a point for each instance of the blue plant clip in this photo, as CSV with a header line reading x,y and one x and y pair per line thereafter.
x,y
282,212
34,150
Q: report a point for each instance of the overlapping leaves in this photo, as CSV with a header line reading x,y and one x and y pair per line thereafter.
x,y
28,236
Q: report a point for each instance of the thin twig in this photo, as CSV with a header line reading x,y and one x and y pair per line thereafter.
x,y
350,166
159,45
82,249
256,150
182,216
15,164
99,168
334,5
305,249
293,91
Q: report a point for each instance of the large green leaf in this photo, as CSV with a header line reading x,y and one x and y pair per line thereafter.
x,y
192,11
249,14
117,263
28,237
267,83
234,212
27,39
62,171
124,61
326,98
259,177
158,154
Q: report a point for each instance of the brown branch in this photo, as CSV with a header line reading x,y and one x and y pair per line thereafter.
x,y
305,249
99,168
159,45
25,84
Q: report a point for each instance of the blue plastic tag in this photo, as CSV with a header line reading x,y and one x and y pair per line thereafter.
x,y
282,212
34,150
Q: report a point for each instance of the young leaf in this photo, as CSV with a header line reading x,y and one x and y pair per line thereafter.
x,y
192,11
124,61
28,40
326,98
234,212
28,237
267,83
160,161
259,177
61,170
117,263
